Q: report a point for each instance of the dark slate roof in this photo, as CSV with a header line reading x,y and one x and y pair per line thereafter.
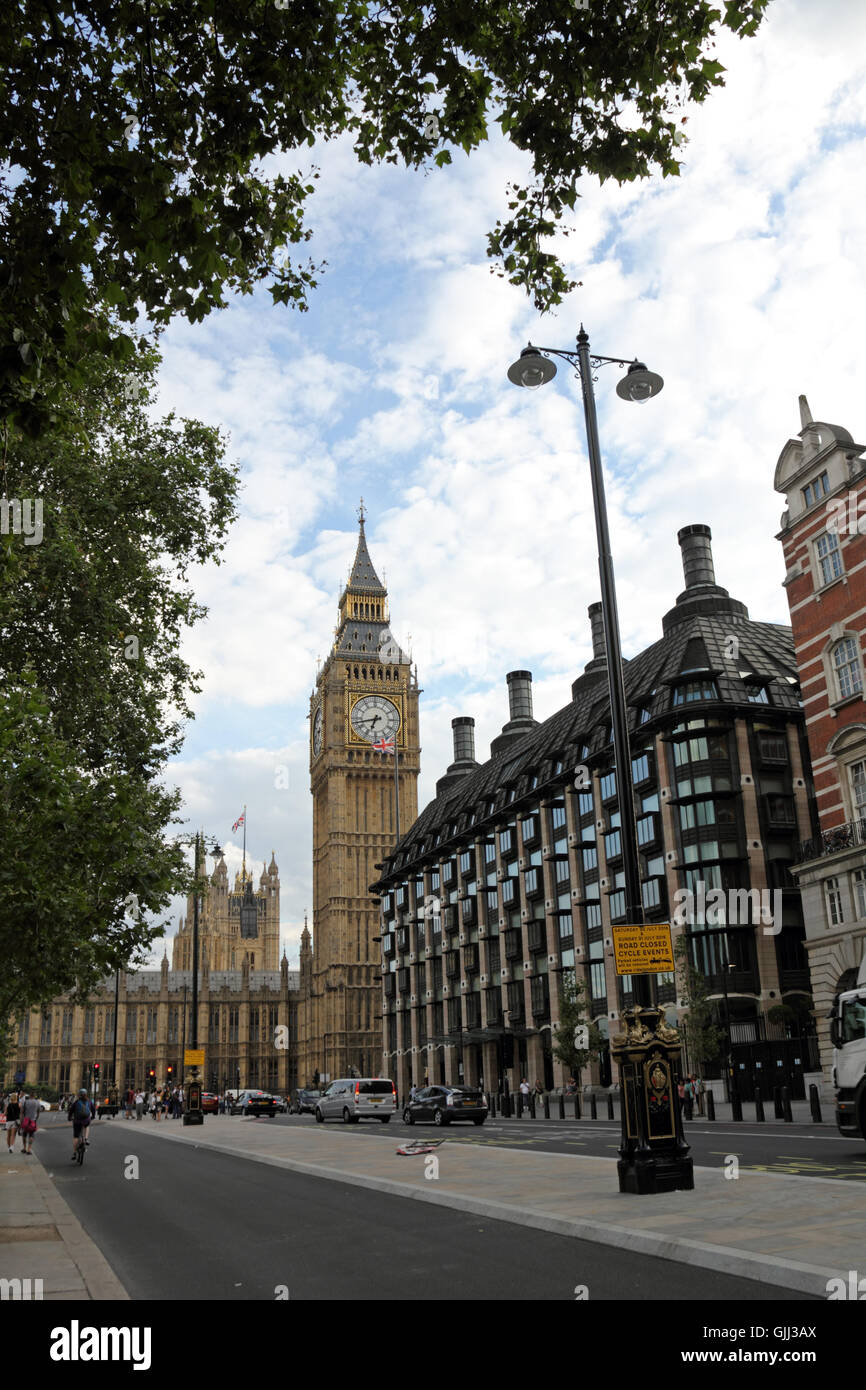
x,y
765,651
363,575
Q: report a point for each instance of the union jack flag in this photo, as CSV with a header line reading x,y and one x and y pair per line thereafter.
x,y
384,745
239,821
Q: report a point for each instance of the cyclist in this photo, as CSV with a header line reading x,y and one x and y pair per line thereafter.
x,y
80,1113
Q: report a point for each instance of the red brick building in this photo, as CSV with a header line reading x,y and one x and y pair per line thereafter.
x,y
823,535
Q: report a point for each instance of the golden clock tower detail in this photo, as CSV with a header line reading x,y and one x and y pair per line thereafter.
x,y
366,694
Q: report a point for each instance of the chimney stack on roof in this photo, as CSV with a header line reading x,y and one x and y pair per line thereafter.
x,y
520,711
702,594
463,733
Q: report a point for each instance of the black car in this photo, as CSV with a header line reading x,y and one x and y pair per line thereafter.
x,y
446,1104
304,1102
254,1103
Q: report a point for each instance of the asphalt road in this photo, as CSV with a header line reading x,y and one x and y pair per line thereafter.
x,y
816,1151
196,1224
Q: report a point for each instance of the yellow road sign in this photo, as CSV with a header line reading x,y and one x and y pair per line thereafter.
x,y
193,1058
643,950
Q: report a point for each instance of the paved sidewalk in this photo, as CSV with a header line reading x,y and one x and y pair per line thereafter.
x,y
41,1239
758,1226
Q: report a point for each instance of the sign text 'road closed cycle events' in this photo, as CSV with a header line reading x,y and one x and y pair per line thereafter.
x,y
643,950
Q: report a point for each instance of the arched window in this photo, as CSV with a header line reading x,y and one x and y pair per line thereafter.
x,y
846,664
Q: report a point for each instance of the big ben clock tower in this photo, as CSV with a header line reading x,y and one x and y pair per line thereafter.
x,y
365,696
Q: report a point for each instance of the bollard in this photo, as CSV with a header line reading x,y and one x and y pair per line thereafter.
x,y
777,1103
759,1102
506,1105
576,1106
561,1106
593,1108
609,1106
520,1105
787,1113
547,1107
491,1106
532,1105
736,1106
815,1104
711,1106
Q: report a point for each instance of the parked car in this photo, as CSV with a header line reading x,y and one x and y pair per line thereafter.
x,y
358,1098
304,1102
446,1104
280,1103
210,1103
253,1103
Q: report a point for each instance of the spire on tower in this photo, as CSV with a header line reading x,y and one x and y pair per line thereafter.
x,y
805,413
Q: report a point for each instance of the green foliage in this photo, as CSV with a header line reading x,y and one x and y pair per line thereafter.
x,y
574,1013
137,143
93,686
703,1038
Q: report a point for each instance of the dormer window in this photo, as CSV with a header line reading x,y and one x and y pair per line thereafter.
x,y
695,690
756,692
814,492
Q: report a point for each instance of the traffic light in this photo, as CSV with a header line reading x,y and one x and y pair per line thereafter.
x,y
96,1070
169,1071
151,1073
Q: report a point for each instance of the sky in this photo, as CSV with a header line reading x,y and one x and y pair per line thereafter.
x,y
742,283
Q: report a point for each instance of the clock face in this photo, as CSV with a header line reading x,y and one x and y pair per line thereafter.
x,y
317,732
374,717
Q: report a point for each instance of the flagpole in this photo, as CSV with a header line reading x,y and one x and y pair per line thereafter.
x,y
244,867
396,789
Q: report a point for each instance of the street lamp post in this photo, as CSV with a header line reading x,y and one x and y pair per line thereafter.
x,y
653,1151
731,1076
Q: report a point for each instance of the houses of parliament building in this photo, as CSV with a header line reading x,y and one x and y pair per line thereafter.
x,y
261,1024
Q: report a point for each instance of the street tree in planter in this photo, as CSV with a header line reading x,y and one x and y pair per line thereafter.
x,y
703,1038
574,1015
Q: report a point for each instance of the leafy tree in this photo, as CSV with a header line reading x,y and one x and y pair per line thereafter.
x,y
94,690
703,1038
134,139
573,1014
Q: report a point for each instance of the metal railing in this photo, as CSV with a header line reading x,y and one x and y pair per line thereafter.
x,y
847,836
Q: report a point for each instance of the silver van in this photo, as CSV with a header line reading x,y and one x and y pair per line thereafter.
x,y
358,1098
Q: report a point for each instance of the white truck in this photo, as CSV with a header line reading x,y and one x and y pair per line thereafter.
x,y
848,1036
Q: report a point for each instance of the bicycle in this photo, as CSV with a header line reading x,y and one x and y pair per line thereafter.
x,y
79,1152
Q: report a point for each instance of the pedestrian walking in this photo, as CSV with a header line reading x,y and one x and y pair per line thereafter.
x,y
688,1098
30,1112
539,1091
13,1119
524,1091
698,1089
139,1104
